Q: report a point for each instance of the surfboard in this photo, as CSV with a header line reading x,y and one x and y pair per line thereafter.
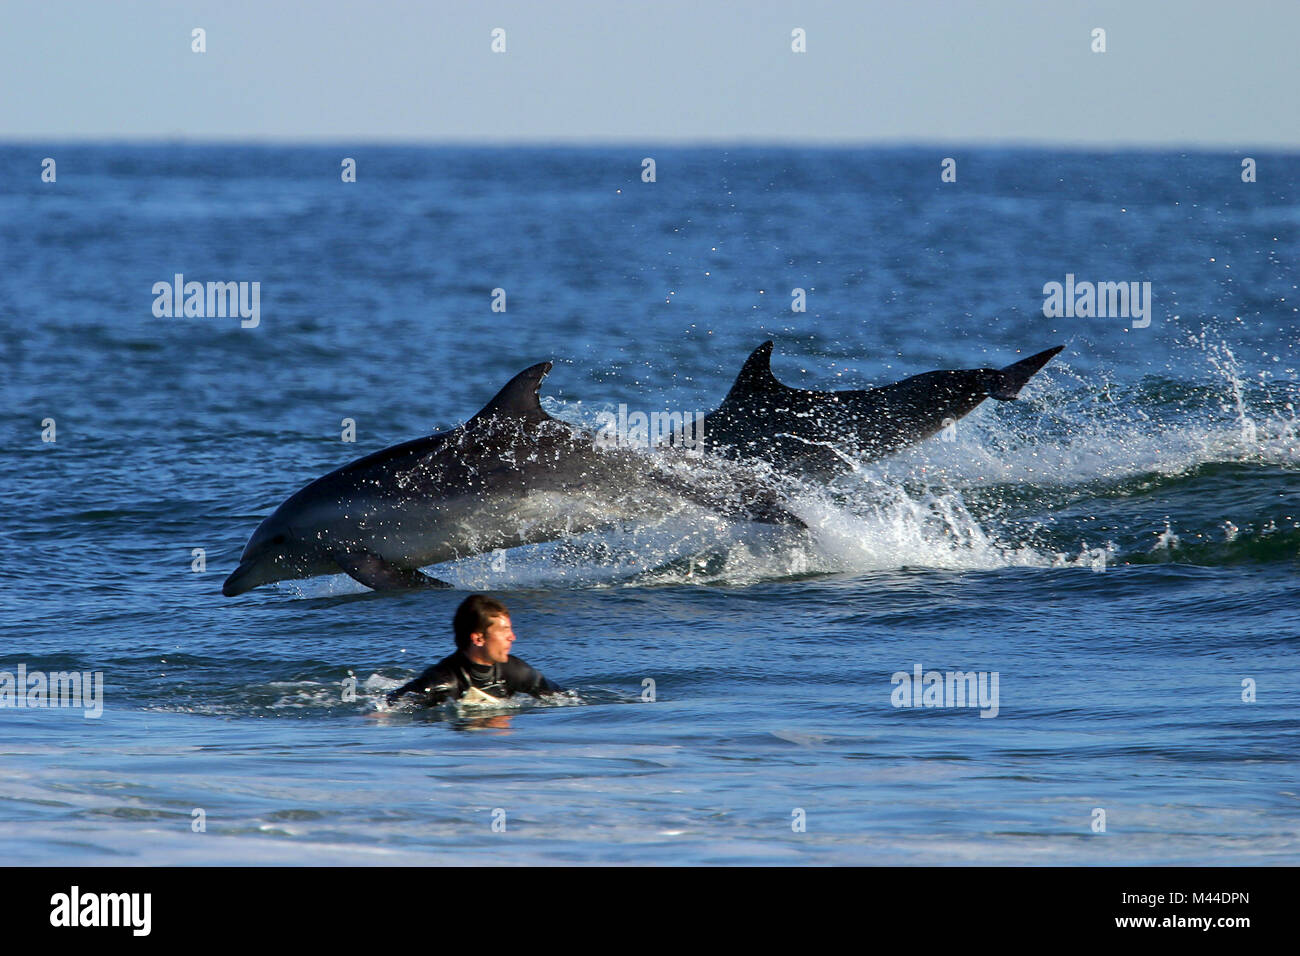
x,y
479,698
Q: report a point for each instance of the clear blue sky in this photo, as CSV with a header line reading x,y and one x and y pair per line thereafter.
x,y
1193,73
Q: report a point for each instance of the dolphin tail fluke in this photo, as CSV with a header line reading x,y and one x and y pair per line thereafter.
x,y
1007,382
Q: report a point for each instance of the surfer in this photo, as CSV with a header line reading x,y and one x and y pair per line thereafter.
x,y
482,665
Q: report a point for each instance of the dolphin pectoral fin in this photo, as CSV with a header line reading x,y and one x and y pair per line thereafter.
x,y
380,575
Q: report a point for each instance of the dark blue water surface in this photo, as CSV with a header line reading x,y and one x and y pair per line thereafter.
x,y
1120,546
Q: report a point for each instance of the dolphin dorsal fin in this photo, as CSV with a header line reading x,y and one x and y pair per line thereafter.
x,y
756,375
519,397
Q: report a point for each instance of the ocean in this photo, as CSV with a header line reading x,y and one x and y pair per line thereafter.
x,y
1115,554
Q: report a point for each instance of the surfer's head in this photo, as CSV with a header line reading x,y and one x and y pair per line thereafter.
x,y
483,631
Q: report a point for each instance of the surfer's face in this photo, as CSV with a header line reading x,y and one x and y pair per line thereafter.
x,y
494,643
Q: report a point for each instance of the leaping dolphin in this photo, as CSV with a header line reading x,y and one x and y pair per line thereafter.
x,y
513,475
815,433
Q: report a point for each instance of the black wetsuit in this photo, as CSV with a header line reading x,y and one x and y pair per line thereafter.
x,y
452,676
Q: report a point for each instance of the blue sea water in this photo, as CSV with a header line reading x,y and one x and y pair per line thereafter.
x,y
1120,546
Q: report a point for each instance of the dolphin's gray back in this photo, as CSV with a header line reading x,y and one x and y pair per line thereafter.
x,y
486,449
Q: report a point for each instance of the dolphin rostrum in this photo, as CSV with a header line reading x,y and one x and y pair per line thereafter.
x,y
513,475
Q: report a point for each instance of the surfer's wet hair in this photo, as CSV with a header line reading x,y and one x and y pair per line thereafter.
x,y
474,616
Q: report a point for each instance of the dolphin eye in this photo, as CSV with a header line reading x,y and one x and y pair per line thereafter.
x,y
278,539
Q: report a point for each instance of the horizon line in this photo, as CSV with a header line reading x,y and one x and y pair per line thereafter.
x,y
1085,146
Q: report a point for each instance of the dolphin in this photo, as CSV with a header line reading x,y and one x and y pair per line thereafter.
x,y
513,475
817,434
